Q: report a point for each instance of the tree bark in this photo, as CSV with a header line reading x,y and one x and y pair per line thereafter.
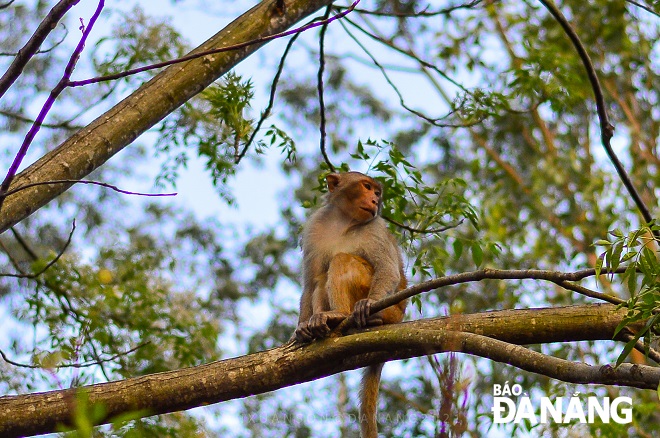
x,y
93,145
489,334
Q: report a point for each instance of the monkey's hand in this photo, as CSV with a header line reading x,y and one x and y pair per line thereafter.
x,y
303,333
361,313
319,325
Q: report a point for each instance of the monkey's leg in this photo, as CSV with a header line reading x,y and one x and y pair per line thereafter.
x,y
348,280
391,315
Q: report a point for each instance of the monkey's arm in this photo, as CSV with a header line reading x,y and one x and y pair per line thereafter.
x,y
385,281
310,266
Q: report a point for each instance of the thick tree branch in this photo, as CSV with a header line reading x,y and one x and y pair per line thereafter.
x,y
111,132
636,376
291,364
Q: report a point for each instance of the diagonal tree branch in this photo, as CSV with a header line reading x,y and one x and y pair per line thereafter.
x,y
111,132
50,263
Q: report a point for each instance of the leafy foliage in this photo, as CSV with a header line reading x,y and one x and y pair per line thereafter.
x,y
636,251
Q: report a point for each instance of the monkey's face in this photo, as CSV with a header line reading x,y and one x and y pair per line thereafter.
x,y
366,196
358,196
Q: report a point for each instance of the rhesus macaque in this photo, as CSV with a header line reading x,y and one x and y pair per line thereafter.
x,y
350,260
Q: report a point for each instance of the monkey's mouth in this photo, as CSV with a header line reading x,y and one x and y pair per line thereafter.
x,y
370,210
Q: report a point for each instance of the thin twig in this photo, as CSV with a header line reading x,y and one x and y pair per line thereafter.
x,y
82,181
30,48
606,128
423,13
42,51
319,87
271,100
406,52
563,279
423,230
23,243
213,51
76,365
22,118
55,92
49,264
402,102
642,6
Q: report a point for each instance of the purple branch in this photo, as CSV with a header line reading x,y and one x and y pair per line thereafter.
x,y
61,85
82,181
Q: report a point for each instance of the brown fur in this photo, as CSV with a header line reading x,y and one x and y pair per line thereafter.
x,y
350,260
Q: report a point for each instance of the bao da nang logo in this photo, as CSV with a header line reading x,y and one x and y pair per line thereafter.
x,y
510,405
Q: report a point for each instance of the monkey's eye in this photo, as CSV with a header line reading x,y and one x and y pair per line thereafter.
x,y
377,193
367,186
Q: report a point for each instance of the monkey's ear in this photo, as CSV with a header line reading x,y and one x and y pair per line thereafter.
x,y
333,181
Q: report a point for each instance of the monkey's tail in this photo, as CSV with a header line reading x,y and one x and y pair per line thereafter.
x,y
369,401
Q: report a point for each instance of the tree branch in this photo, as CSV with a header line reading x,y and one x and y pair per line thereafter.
x,y
562,279
271,99
50,101
643,6
319,87
423,13
49,264
71,182
36,40
606,128
291,364
229,48
75,365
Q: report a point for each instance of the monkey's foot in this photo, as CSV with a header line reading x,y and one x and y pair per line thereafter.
x,y
362,314
320,324
303,333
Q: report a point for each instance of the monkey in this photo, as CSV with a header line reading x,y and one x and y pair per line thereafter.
x,y
350,260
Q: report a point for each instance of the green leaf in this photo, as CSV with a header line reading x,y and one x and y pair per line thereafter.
x,y
617,233
417,302
631,276
599,265
626,350
458,248
477,254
